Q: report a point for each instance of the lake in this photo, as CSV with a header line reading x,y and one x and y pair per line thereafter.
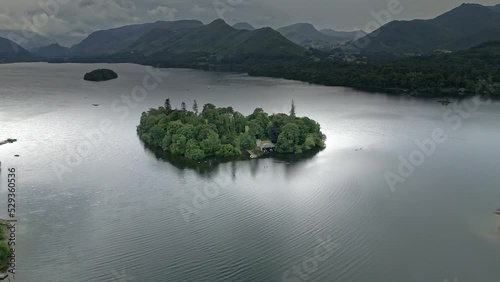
x,y
94,204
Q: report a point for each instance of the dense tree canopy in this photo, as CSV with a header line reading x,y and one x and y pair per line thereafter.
x,y
223,132
472,72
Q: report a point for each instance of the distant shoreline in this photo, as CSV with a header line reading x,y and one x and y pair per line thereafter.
x,y
399,92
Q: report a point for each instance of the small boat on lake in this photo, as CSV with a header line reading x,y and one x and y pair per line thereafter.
x,y
497,212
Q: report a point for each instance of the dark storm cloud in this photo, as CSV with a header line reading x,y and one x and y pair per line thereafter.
x,y
86,3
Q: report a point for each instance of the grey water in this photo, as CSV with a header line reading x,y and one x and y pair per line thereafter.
x,y
94,204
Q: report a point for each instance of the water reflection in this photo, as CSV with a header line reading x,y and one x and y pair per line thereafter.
x,y
209,167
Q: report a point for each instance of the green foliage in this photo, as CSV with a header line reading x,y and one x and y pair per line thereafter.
x,y
4,249
247,141
288,138
227,150
455,74
223,132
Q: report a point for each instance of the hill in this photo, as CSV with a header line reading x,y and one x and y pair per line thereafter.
x,y
243,26
105,42
11,52
306,35
216,43
469,72
34,40
496,8
53,51
343,36
461,28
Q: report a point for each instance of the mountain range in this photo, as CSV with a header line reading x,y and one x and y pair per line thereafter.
x,y
306,35
26,40
11,52
195,44
53,51
461,28
116,40
343,36
216,39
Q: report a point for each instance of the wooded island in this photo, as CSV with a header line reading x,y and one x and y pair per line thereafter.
x,y
223,132
100,75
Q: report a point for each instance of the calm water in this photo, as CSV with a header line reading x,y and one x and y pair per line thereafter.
x,y
120,213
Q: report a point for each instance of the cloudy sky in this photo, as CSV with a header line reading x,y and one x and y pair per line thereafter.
x,y
85,16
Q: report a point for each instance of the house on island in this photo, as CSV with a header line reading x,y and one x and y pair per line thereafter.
x,y
265,146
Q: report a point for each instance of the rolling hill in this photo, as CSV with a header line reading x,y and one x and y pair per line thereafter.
x,y
217,41
53,51
243,26
343,36
34,40
461,28
106,42
306,35
11,52
496,8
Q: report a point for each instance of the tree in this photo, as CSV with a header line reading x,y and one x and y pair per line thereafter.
x,y
292,111
211,144
207,107
167,105
178,146
255,129
193,151
239,122
156,135
183,106
255,113
227,150
288,138
274,131
195,107
247,141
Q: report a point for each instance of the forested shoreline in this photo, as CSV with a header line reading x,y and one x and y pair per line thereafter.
x,y
460,74
467,73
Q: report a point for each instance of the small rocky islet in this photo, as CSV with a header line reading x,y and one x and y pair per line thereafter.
x,y
100,75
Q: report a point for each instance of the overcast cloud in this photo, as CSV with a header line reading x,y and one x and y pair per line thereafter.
x,y
85,16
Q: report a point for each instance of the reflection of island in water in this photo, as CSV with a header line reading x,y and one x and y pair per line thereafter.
x,y
209,166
